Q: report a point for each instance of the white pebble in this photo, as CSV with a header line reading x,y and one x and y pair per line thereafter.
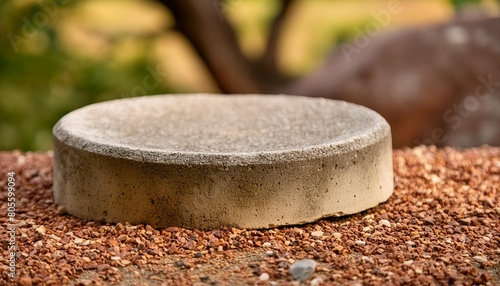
x,y
316,281
55,237
408,262
384,222
435,179
115,258
264,277
130,227
266,244
337,235
410,243
367,229
480,258
270,253
40,230
303,269
317,234
367,259
360,243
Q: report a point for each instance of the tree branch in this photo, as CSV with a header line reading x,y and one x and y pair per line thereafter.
x,y
203,23
269,58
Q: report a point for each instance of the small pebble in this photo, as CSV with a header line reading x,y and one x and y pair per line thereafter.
x,y
41,230
270,253
408,262
303,269
130,227
264,277
367,259
55,237
61,210
489,202
337,235
25,281
266,244
367,229
360,243
410,243
465,221
480,259
384,222
316,281
84,282
317,234
429,221
119,227
435,179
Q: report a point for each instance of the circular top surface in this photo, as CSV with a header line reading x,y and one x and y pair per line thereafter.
x,y
217,128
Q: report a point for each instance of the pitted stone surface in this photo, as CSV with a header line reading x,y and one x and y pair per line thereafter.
x,y
205,161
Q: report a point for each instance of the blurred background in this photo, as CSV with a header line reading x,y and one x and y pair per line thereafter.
x,y
431,67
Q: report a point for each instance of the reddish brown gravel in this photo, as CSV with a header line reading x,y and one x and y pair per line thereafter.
x,y
441,227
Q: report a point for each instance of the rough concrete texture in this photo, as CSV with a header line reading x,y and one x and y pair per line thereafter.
x,y
206,161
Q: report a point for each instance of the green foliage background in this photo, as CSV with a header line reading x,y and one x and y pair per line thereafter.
x,y
38,87
40,80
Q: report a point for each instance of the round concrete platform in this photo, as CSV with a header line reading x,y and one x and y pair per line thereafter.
x,y
206,161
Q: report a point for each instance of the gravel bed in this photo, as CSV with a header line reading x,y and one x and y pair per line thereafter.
x,y
441,227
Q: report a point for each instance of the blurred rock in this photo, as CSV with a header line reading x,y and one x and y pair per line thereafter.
x,y
303,269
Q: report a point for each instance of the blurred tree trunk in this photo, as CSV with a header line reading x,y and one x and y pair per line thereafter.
x,y
216,43
434,85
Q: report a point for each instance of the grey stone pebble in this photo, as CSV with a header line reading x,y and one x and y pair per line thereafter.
x,y
303,269
266,244
270,253
264,277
